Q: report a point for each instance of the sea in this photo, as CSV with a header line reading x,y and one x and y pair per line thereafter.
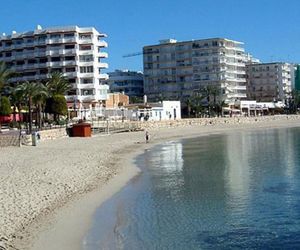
x,y
237,190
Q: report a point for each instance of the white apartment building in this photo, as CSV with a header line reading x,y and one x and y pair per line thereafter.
x,y
176,70
129,82
76,52
270,82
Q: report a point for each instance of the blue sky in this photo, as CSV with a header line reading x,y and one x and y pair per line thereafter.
x,y
270,29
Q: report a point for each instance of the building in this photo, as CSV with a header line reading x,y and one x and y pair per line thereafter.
x,y
116,100
165,110
270,82
129,82
76,52
175,70
297,77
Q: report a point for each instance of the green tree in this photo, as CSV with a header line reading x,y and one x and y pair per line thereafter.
x,y
211,94
29,91
135,99
5,106
57,106
39,100
17,100
58,84
5,75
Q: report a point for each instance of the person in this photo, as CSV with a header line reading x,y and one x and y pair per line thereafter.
x,y
147,137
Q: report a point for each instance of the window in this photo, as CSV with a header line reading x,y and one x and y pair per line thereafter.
x,y
88,69
20,62
55,36
59,70
70,69
43,60
70,46
85,47
18,42
87,92
86,80
70,58
69,35
32,61
72,80
86,58
214,43
85,36
55,59
43,71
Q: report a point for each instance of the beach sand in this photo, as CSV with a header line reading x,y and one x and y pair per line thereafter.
x,y
49,193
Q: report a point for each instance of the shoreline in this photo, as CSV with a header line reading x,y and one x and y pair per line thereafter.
x,y
67,223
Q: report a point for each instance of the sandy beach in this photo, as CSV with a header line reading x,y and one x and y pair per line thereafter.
x,y
48,193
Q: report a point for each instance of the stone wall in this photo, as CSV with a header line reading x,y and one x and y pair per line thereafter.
x,y
52,134
14,140
212,121
9,140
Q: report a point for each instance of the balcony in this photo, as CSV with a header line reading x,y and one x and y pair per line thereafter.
x,y
40,42
40,65
102,55
54,40
103,77
87,98
71,98
102,44
85,41
51,52
69,63
103,65
40,53
86,75
86,86
54,64
69,40
237,88
69,51
89,63
70,74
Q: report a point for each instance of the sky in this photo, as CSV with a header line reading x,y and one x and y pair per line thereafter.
x,y
270,29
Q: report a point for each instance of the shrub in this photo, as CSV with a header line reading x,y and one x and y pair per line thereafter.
x,y
56,105
5,106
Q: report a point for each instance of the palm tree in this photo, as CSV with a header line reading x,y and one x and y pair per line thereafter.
x,y
17,100
31,90
58,84
5,75
39,100
189,104
208,92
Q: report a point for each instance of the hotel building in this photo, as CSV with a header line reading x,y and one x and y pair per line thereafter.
x,y
129,82
175,70
270,82
75,52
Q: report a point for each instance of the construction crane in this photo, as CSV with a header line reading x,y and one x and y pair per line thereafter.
x,y
133,54
138,53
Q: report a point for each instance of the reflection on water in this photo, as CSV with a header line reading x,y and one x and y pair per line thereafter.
x,y
238,190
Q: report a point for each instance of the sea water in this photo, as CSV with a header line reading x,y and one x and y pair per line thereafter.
x,y
224,191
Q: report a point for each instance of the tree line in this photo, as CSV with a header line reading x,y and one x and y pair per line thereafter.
x,y
42,97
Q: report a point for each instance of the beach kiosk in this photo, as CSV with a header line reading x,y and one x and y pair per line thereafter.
x,y
82,130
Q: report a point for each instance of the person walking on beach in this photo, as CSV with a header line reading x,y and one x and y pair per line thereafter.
x,y
147,137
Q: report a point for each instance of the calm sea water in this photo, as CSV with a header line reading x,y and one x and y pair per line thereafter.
x,y
229,191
